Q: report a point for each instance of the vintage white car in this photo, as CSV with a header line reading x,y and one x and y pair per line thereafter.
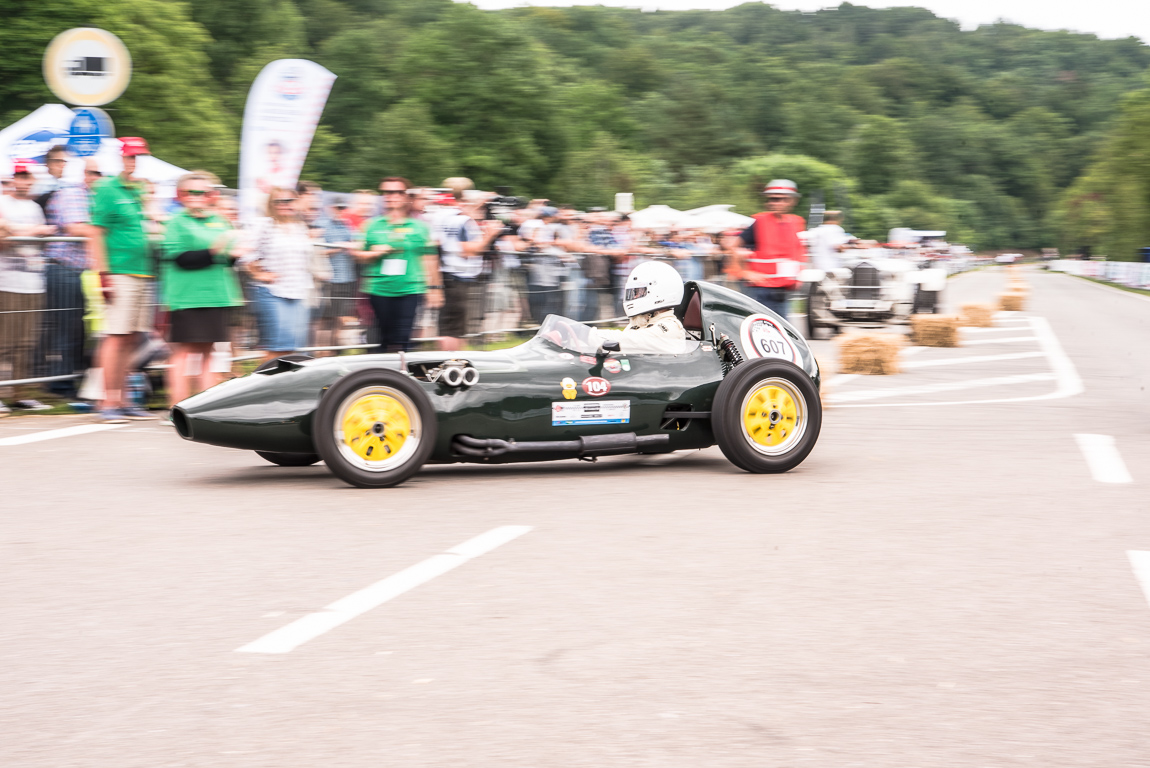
x,y
875,290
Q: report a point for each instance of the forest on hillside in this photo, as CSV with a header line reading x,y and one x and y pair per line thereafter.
x,y
1005,136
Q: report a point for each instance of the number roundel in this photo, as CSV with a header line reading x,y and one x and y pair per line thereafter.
x,y
763,336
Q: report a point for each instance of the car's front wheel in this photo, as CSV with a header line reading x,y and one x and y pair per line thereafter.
x,y
767,416
289,459
374,429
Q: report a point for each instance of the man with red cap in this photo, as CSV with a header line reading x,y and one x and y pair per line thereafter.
x,y
120,252
21,281
771,253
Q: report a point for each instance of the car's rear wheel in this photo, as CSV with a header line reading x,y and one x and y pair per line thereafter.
x,y
289,459
767,416
374,429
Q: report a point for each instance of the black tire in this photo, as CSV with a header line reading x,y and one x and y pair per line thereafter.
x,y
290,358
734,436
289,459
812,323
337,451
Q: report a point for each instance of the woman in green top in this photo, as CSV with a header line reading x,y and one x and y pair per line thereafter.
x,y
398,261
199,285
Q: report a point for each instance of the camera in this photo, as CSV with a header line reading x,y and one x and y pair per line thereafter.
x,y
502,206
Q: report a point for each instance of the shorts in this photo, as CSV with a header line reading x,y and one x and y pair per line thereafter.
x,y
283,322
456,305
200,325
131,309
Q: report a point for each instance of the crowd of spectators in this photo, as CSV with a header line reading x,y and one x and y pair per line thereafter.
x,y
326,272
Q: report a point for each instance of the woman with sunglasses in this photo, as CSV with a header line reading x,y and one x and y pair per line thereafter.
x,y
198,284
397,261
280,266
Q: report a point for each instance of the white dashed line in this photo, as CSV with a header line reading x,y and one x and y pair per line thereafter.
x,y
971,359
1103,458
52,434
290,637
947,386
1140,562
1011,340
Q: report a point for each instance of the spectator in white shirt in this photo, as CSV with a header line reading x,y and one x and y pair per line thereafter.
x,y
826,241
21,283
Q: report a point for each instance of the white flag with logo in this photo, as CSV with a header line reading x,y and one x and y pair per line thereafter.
x,y
284,106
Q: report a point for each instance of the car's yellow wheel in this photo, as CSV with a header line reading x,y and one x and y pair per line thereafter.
x,y
774,416
374,428
378,428
766,415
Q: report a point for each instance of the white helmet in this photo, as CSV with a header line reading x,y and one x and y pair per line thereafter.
x,y
652,285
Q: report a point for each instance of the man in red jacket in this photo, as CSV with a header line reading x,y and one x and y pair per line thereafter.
x,y
771,254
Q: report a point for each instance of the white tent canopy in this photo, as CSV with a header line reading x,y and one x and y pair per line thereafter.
x,y
656,217
714,218
30,137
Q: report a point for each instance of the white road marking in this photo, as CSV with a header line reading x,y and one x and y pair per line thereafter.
x,y
842,378
1140,562
288,638
1103,458
1011,340
1064,372
52,434
971,359
947,386
997,329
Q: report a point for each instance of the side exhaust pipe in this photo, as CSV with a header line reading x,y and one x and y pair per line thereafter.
x,y
583,447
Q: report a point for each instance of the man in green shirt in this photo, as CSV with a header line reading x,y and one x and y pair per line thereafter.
x,y
119,248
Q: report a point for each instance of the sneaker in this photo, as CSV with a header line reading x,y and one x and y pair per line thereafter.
x,y
112,416
31,405
137,414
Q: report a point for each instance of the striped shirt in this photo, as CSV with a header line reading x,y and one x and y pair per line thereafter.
x,y
285,250
69,205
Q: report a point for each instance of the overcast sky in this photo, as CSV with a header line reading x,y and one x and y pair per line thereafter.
x,y
1105,18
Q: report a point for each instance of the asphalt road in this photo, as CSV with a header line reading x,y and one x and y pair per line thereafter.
x,y
937,585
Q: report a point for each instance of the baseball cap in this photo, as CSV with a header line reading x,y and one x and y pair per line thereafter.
x,y
22,166
782,187
130,146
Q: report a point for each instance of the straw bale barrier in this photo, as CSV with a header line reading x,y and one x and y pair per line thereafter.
x,y
934,330
1012,301
869,353
977,315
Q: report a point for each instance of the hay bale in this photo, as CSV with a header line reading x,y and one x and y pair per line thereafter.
x,y
869,353
934,330
1012,301
977,316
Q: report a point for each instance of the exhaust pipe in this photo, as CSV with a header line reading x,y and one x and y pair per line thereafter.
x,y
583,447
452,376
470,377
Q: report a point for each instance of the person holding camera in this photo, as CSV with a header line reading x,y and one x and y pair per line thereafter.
x,y
462,244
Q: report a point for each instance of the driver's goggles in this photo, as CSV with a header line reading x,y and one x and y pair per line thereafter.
x,y
635,293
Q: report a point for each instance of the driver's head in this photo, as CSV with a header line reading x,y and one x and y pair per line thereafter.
x,y
651,286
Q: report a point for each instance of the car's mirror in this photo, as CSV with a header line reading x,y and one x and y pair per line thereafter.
x,y
610,346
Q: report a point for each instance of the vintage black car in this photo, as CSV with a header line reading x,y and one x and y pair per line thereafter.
x,y
745,379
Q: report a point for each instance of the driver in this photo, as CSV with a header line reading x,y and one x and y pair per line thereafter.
x,y
652,291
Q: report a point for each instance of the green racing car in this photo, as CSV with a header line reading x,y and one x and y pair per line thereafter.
x,y
746,380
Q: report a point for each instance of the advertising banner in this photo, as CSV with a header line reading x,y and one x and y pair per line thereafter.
x,y
283,108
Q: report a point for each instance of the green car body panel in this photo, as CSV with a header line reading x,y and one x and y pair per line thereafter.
x,y
274,410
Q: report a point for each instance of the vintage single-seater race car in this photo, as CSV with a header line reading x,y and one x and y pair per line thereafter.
x,y
745,379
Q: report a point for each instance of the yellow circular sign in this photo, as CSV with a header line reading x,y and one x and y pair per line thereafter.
x,y
87,66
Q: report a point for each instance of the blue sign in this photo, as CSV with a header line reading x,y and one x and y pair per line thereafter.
x,y
89,127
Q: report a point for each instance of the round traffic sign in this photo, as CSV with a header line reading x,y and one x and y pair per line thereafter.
x,y
87,66
90,126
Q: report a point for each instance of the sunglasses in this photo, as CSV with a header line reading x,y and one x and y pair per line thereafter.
x,y
284,201
394,191
777,199
195,192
